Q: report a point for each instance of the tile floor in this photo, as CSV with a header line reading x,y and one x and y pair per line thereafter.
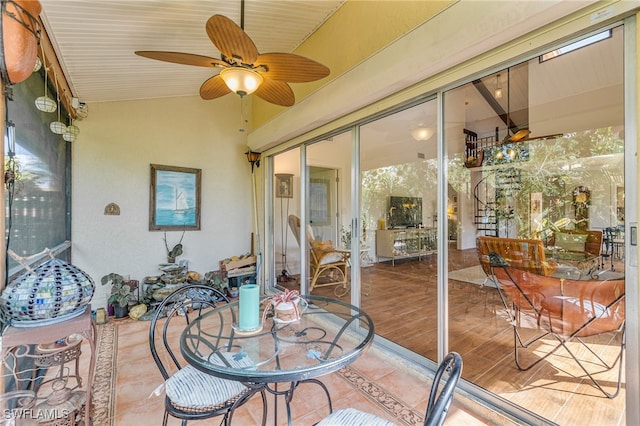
x,y
138,376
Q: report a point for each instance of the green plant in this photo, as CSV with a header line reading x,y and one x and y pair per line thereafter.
x,y
121,293
176,250
345,236
217,280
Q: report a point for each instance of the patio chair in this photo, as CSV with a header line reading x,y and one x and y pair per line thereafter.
x,y
564,311
437,406
190,393
324,260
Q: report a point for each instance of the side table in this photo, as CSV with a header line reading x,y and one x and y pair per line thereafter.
x,y
15,337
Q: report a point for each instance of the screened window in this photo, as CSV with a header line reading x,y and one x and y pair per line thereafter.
x,y
37,204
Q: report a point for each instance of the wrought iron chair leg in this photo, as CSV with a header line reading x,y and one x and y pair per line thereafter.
x,y
607,368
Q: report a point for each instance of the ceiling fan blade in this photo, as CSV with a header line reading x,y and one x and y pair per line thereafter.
x,y
182,58
276,92
213,88
519,135
292,68
231,40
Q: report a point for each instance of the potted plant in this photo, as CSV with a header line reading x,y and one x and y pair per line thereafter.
x,y
121,294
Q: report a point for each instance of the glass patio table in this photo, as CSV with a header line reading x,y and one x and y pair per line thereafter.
x,y
329,335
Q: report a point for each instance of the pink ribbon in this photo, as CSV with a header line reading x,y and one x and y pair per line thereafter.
x,y
288,296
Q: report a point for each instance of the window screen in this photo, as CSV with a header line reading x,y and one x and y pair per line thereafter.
x,y
38,212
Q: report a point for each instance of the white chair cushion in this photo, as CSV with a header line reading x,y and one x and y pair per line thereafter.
x,y
331,257
191,388
353,417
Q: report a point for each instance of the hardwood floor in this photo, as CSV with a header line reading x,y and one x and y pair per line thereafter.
x,y
402,301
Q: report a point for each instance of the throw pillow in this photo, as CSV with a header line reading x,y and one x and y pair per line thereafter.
x,y
571,242
321,246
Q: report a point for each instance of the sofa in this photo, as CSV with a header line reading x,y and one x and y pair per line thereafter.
x,y
525,254
577,241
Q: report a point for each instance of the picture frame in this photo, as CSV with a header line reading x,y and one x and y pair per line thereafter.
x,y
284,185
174,198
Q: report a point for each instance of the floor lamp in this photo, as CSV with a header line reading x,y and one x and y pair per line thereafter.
x,y
284,189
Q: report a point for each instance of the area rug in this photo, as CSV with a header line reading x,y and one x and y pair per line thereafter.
x,y
473,275
392,404
104,379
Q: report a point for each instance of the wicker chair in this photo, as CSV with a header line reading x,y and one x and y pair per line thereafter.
x,y
190,393
324,261
437,406
563,311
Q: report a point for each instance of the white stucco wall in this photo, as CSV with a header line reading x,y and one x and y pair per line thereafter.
x,y
112,157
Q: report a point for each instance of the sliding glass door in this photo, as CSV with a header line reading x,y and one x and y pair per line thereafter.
x,y
526,162
286,203
398,206
329,216
536,172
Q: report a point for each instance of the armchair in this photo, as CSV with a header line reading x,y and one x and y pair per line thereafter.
x,y
324,260
562,311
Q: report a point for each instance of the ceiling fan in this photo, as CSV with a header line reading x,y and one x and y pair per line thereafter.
x,y
243,69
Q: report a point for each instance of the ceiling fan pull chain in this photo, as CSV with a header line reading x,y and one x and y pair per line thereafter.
x,y
244,120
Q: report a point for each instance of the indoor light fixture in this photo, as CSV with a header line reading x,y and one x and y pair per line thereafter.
x,y
253,158
498,92
242,81
45,103
57,127
422,133
37,65
71,133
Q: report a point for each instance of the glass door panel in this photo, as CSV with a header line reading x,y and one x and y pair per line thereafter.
x,y
535,175
329,216
286,202
399,176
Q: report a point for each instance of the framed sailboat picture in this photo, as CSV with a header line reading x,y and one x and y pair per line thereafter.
x,y
174,198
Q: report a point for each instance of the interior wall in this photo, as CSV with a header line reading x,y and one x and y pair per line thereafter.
x,y
112,157
437,46
373,23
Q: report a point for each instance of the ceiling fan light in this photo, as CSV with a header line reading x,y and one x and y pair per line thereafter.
x,y
58,127
45,104
242,81
422,133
